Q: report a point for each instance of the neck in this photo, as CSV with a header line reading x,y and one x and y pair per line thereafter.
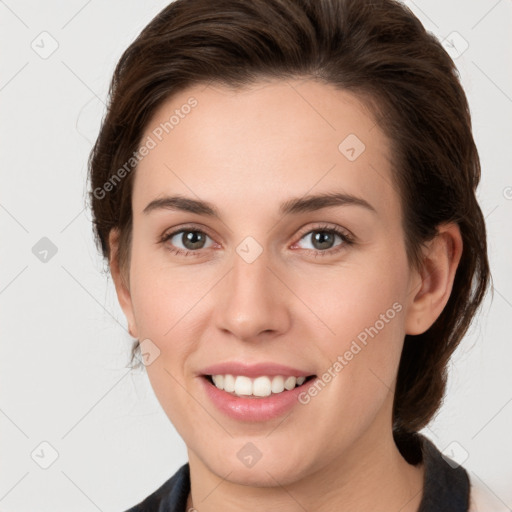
x,y
371,475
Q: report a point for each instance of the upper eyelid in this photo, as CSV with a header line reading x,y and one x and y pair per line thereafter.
x,y
325,226
174,231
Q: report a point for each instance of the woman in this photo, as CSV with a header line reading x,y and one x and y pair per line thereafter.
x,y
285,193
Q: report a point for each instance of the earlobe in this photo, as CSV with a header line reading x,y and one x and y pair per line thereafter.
x,y
440,261
121,283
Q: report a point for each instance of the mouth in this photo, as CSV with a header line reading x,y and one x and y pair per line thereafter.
x,y
262,386
256,393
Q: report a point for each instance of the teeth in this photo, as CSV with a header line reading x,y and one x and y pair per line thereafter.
x,y
243,385
218,380
260,386
290,383
278,384
229,383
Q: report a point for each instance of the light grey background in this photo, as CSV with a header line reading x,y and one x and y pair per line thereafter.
x,y
63,374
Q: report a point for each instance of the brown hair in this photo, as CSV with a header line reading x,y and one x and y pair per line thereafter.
x,y
377,49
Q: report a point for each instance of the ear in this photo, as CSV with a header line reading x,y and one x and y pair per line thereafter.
x,y
121,282
431,288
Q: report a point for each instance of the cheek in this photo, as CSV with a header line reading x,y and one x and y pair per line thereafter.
x,y
362,300
163,305
359,319
161,295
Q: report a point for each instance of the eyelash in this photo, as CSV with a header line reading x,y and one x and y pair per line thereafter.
x,y
345,237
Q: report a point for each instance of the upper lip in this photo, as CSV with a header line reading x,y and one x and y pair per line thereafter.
x,y
254,370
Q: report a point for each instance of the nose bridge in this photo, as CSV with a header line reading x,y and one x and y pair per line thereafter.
x,y
251,302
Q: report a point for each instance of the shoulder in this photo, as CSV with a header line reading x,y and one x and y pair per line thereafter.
x,y
481,499
170,496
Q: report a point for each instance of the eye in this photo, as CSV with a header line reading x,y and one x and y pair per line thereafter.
x,y
191,240
323,238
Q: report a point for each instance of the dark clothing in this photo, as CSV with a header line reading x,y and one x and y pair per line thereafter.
x,y
446,485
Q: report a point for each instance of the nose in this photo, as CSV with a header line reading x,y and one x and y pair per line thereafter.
x,y
252,303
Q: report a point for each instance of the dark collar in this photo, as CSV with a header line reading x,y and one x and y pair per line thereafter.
x,y
446,484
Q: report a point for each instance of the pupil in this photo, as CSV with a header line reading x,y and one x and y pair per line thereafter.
x,y
193,238
321,237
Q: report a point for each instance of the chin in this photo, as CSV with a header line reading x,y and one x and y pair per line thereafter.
x,y
263,473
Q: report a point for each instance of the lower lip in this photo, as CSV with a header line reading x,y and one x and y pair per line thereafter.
x,y
255,409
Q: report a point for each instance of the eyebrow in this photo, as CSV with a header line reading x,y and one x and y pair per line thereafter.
x,y
292,206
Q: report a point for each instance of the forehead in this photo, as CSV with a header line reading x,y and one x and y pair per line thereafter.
x,y
264,143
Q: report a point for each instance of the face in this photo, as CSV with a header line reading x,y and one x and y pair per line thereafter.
x,y
268,281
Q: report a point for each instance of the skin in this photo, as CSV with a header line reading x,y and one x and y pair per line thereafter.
x,y
246,151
